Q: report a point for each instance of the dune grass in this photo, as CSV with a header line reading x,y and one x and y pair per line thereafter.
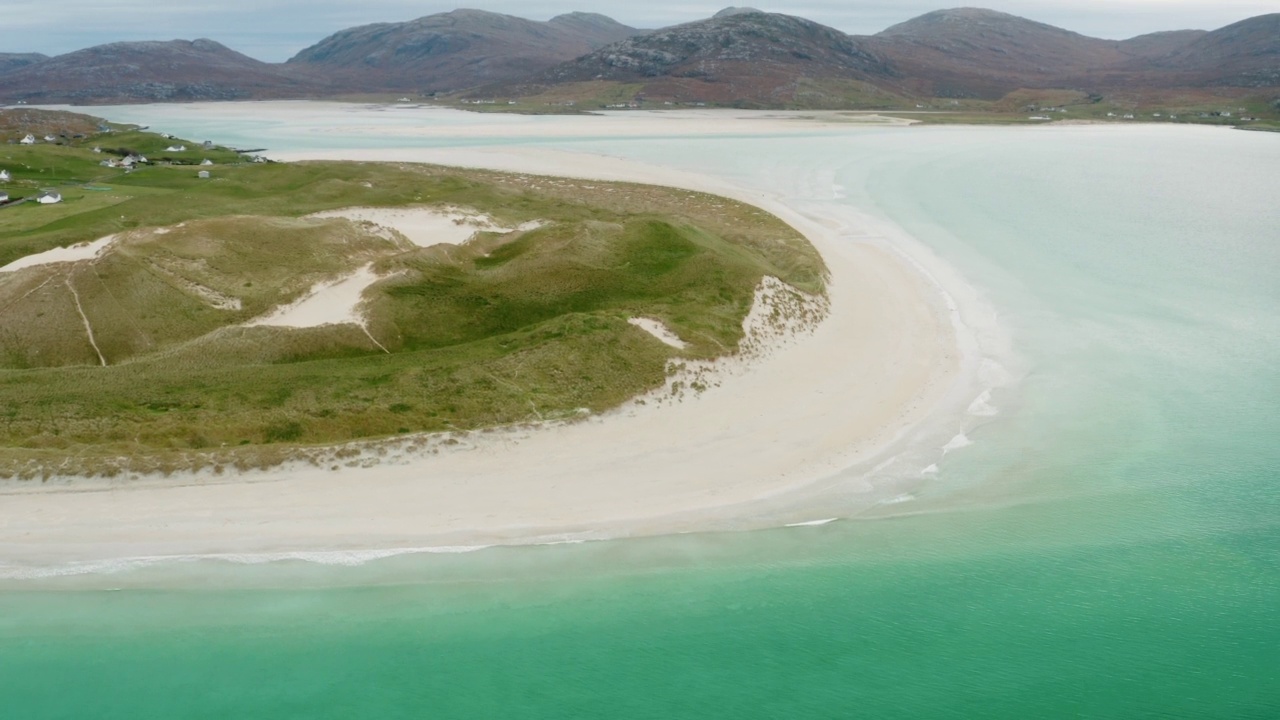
x,y
511,327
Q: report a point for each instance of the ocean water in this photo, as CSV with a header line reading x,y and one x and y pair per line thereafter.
x,y
1102,540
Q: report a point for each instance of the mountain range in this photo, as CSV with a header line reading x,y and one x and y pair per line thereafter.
x,y
739,56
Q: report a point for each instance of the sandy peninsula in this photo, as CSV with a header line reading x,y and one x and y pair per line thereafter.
x,y
801,410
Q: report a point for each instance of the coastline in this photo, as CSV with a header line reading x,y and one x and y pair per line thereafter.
x,y
890,356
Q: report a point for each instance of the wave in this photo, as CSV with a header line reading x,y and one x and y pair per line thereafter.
x,y
114,566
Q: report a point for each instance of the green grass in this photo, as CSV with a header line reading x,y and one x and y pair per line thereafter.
x,y
509,328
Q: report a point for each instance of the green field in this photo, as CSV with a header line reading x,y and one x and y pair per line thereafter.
x,y
511,327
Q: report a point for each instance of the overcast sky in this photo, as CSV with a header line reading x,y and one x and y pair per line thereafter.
x,y
274,30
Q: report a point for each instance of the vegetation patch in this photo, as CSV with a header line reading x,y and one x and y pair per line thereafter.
x,y
142,357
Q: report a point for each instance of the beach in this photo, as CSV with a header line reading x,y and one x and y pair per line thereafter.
x,y
804,407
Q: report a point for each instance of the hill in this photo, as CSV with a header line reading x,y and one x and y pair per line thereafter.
x,y
456,50
177,70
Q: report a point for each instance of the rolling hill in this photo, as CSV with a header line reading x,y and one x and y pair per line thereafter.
x,y
177,70
456,50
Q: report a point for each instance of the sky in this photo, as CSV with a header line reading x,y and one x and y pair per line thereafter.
x,y
273,30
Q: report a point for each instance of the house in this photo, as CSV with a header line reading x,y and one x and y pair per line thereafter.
x,y
176,148
50,138
4,197
97,149
28,140
203,174
49,198
206,161
4,176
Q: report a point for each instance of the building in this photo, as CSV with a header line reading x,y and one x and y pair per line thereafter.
x,y
176,148
4,197
206,161
203,174
49,198
4,176
28,140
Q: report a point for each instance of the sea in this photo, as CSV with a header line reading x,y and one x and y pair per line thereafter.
x,y
1100,538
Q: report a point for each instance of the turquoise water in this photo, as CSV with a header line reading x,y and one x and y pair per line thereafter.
x,y
1109,546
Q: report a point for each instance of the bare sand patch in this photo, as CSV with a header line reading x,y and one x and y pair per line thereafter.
x,y
73,253
328,303
424,226
659,329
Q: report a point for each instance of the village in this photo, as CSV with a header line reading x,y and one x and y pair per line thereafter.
x,y
114,152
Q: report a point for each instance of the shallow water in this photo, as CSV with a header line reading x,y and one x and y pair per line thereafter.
x,y
1107,546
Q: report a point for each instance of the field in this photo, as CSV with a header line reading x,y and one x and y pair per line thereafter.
x,y
510,327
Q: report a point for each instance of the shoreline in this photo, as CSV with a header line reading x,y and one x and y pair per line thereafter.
x,y
890,321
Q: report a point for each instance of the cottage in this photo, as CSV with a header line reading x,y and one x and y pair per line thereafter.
x,y
49,198
4,176
206,161
176,148
97,149
203,174
50,138
4,197
28,140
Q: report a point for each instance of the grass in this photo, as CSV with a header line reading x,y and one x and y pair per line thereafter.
x,y
509,328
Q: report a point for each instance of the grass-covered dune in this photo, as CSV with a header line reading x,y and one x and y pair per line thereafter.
x,y
509,327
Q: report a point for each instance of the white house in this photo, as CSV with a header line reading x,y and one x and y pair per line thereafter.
x,y
206,161
97,149
4,197
203,174
50,138
176,148
4,176
29,139
49,198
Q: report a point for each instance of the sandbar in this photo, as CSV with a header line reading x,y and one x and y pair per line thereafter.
x,y
799,411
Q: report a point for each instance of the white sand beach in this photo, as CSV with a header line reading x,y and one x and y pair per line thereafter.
x,y
887,358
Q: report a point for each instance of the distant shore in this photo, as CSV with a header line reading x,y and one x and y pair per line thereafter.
x,y
805,407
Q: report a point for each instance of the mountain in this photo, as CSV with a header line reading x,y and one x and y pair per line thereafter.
x,y
178,70
1244,54
12,61
739,55
970,52
1159,44
456,50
